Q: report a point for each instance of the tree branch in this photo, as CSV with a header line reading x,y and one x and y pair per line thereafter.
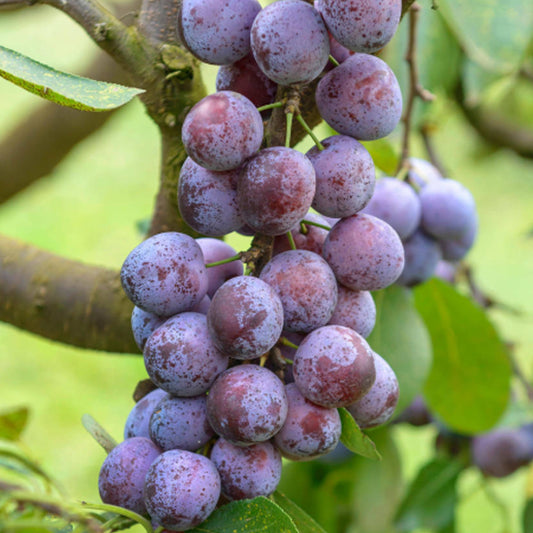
x,y
49,134
108,32
63,300
415,88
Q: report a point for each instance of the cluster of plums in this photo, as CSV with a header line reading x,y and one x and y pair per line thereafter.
x,y
252,367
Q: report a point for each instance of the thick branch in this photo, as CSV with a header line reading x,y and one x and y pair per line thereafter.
x,y
166,216
49,134
63,300
158,20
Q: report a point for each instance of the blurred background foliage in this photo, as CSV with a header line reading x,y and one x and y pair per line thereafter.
x,y
475,55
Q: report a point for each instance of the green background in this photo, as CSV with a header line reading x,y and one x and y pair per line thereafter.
x,y
87,209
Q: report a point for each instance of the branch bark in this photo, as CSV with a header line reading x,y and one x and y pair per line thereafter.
x,y
63,300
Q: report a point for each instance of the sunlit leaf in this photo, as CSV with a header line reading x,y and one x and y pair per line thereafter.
x,y
259,515
354,439
62,88
470,380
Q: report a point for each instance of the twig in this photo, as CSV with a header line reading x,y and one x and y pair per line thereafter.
x,y
425,132
415,88
121,42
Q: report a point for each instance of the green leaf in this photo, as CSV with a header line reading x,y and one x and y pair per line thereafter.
x,y
384,155
303,522
60,87
259,515
527,517
354,439
13,422
401,338
378,486
494,34
470,381
432,496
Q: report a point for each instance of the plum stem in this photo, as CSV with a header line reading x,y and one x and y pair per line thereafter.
x,y
334,61
309,131
286,342
291,240
311,223
224,261
266,107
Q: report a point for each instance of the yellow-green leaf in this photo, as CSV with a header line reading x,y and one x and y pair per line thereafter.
x,y
469,384
62,88
354,439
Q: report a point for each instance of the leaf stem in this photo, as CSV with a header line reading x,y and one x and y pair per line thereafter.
x,y
120,511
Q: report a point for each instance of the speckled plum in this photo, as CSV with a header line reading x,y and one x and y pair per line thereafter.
x,y
309,238
397,203
216,250
181,423
208,200
181,490
245,318
217,32
290,42
222,130
422,172
276,190
416,413
355,310
345,176
334,366
247,472
181,358
309,430
143,324
121,478
245,77
422,254
456,249
138,421
360,98
165,274
377,405
448,209
306,287
361,25
501,452
202,306
247,404
364,252
340,53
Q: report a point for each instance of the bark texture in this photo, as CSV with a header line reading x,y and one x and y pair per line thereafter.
x,y
63,300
